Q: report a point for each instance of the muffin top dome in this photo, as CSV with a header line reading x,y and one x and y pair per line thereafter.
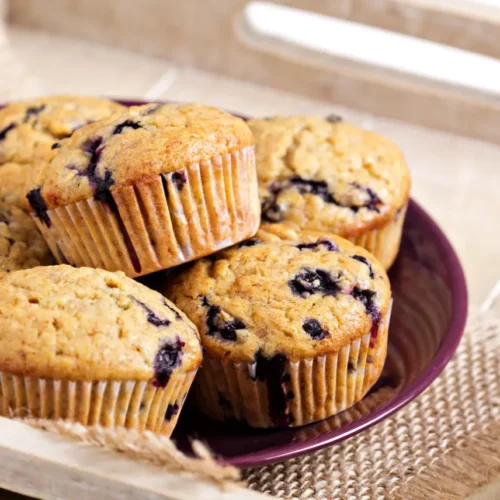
x,y
30,129
327,175
140,142
298,299
87,324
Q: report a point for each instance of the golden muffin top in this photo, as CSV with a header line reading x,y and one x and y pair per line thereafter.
x,y
140,142
279,297
327,175
89,324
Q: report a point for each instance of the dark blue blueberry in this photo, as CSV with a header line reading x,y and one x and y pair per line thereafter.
x,y
365,261
179,179
178,317
33,111
218,326
171,411
56,145
310,281
367,298
167,360
317,188
313,328
152,317
249,243
271,210
271,371
373,200
126,124
101,186
321,244
39,206
6,130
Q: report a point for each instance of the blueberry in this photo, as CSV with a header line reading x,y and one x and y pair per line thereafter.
x,y
39,206
33,111
166,360
126,124
321,244
367,298
6,130
365,261
171,411
56,145
152,317
218,326
271,371
310,281
313,328
178,317
249,243
271,210
179,179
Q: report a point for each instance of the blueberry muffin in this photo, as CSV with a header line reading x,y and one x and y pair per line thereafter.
x,y
93,347
31,131
21,244
293,332
151,188
329,176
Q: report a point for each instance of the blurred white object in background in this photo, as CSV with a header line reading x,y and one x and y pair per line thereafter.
x,y
369,45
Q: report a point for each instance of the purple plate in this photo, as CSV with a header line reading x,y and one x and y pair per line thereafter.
x,y
428,319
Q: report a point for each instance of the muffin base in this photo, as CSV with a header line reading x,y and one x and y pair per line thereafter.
x,y
309,389
384,241
160,221
131,404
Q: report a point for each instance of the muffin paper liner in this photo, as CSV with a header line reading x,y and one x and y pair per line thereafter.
x,y
160,221
383,242
131,404
310,389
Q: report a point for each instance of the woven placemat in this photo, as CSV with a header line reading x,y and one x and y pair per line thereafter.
x,y
444,445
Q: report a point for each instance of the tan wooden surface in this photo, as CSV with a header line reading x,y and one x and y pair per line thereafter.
x,y
455,178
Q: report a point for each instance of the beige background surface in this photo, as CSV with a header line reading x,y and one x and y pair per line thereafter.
x,y
455,178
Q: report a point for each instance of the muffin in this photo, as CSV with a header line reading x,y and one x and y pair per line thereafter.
x,y
329,176
15,181
93,347
293,332
31,131
21,244
151,188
